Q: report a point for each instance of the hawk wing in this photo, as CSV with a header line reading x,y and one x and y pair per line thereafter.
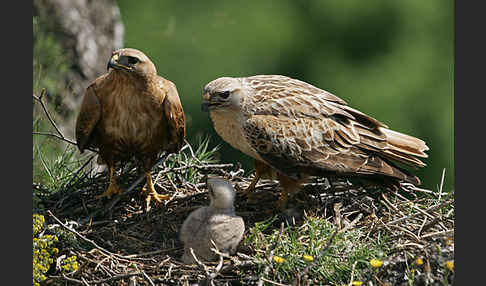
x,y
88,117
303,127
174,114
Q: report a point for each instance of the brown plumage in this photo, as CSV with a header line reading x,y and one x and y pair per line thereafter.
x,y
300,130
131,112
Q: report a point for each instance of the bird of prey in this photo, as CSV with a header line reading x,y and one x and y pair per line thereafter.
x,y
131,112
296,130
216,222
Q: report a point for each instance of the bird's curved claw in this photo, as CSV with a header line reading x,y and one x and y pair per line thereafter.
x,y
153,195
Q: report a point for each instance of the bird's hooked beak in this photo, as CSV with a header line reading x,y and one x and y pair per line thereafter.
x,y
206,102
114,64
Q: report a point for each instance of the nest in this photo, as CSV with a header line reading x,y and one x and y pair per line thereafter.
x,y
121,242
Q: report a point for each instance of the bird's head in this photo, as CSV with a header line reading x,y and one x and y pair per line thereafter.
x,y
222,94
131,61
221,193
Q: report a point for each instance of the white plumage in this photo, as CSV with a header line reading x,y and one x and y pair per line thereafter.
x,y
216,222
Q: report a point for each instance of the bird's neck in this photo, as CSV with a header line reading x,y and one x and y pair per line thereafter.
x,y
139,82
220,210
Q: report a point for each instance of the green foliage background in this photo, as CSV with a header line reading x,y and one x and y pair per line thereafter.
x,y
390,59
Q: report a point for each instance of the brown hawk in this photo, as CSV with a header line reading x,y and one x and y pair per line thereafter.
x,y
131,112
298,130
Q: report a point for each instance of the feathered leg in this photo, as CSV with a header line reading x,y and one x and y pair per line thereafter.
x,y
288,186
261,170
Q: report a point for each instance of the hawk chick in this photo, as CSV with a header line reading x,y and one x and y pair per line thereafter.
x,y
216,222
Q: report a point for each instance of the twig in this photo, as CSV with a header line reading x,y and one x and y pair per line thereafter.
x,y
444,232
273,282
202,266
441,184
104,251
39,99
148,278
433,208
59,134
352,273
56,136
192,152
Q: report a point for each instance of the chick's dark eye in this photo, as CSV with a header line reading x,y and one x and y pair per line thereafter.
x,y
225,94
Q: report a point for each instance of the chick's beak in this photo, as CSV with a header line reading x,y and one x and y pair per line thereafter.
x,y
205,102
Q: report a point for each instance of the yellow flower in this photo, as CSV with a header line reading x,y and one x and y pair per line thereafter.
x,y
375,263
308,258
419,261
278,259
450,265
357,283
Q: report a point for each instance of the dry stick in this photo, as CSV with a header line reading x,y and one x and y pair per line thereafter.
x,y
104,251
272,249
58,137
441,184
352,273
116,277
202,266
95,282
445,232
433,208
39,99
148,278
59,134
192,152
273,282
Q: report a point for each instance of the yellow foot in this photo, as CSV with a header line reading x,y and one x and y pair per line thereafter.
x,y
113,189
153,195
